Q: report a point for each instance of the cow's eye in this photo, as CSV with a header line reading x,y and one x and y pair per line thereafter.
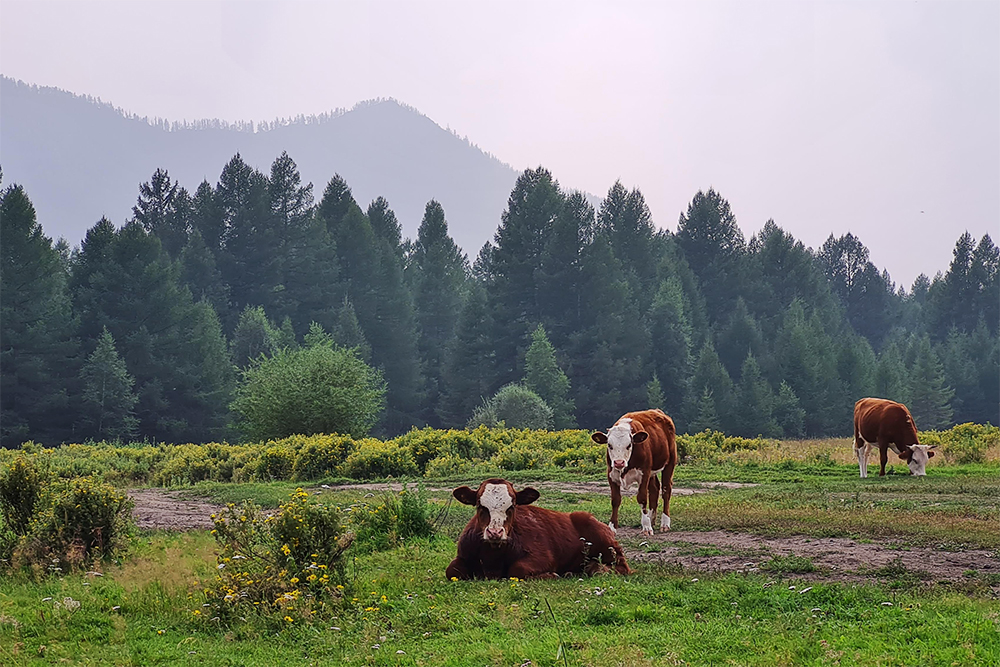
x,y
629,446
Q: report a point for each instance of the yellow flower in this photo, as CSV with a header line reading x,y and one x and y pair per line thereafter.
x,y
196,612
289,619
454,578
294,580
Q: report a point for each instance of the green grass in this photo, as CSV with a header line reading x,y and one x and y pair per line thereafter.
x,y
656,616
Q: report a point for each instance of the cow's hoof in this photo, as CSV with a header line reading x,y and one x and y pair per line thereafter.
x,y
614,530
648,532
664,523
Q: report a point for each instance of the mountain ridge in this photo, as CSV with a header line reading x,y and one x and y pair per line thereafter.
x,y
81,158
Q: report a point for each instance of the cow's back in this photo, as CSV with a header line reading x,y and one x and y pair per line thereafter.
x,y
880,418
662,441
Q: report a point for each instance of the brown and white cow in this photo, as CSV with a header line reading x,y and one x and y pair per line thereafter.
x,y
641,445
888,424
510,537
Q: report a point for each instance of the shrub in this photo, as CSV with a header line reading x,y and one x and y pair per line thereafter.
x,y
515,406
275,462
288,563
522,456
589,456
21,484
318,389
448,465
375,459
79,520
964,443
711,445
321,456
393,518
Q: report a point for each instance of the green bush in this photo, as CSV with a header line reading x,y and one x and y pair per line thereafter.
x,y
321,456
522,456
448,465
514,406
709,445
392,518
590,457
21,483
375,459
318,389
288,564
964,443
275,462
79,520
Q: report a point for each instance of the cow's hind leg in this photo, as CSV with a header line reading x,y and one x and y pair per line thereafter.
x,y
861,451
668,486
643,497
654,495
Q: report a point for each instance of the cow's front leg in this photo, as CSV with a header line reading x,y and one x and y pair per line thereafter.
x,y
524,569
643,497
883,458
616,501
458,570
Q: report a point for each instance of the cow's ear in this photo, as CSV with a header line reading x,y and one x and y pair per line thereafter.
x,y
526,496
930,453
600,438
464,495
640,436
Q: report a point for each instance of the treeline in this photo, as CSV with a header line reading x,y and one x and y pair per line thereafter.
x,y
142,332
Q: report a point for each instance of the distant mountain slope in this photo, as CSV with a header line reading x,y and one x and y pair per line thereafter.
x,y
80,159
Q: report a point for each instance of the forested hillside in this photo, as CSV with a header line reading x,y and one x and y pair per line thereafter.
x,y
144,330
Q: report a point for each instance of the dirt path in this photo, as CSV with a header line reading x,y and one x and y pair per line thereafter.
x,y
171,510
837,558
840,559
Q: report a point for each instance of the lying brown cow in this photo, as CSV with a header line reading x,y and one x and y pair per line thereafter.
x,y
888,424
509,537
641,445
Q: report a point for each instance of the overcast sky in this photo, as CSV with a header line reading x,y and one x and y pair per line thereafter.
x,y
877,118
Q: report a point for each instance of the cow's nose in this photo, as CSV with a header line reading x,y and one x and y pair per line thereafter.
x,y
492,534
619,464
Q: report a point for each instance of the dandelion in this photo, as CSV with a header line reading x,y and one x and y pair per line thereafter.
x,y
289,619
196,612
160,632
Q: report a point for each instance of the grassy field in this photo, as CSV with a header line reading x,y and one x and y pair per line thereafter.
x,y
398,609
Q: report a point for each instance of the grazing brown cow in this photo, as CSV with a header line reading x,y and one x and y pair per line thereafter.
x,y
510,537
888,424
640,446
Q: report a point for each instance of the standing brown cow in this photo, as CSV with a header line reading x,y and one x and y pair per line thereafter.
x,y
510,537
878,421
640,446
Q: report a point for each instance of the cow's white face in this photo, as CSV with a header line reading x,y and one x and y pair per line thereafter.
x,y
620,439
919,456
498,501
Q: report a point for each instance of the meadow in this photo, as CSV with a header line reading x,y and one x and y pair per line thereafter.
x,y
780,555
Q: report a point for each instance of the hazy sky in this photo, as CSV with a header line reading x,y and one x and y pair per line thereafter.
x,y
878,118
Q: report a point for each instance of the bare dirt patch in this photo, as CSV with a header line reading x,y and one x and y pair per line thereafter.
x,y
837,558
171,510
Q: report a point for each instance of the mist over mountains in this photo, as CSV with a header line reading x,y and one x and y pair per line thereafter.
x,y
80,159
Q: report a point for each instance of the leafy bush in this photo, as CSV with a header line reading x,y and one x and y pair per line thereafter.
x,y
393,518
77,521
514,406
318,389
289,563
964,443
375,459
21,484
522,456
709,445
321,456
589,457
275,462
449,465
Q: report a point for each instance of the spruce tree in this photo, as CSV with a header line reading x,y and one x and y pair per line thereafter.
x,y
930,396
165,210
468,371
39,352
654,395
755,403
347,332
705,416
891,377
544,377
437,275
710,377
672,343
107,401
788,414
254,336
